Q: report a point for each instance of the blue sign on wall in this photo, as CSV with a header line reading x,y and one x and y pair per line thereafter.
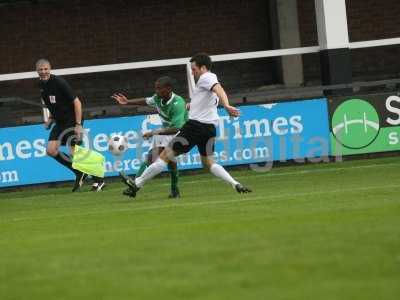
x,y
263,133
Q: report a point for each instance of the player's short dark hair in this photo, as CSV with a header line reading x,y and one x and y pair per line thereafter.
x,y
202,59
42,61
166,81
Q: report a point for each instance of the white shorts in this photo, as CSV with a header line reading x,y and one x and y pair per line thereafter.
x,y
161,140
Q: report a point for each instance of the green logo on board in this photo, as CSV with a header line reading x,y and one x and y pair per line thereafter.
x,y
355,124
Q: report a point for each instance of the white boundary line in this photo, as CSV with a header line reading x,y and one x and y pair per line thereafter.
x,y
177,204
295,173
183,61
290,173
217,202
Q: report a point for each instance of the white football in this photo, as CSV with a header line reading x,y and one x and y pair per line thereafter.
x,y
117,145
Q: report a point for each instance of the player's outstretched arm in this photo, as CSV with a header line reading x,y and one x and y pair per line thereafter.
x,y
161,131
123,100
223,100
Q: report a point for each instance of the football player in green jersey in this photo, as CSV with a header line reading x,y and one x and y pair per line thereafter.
x,y
173,114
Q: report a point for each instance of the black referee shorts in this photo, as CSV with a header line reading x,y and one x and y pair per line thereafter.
x,y
65,134
195,133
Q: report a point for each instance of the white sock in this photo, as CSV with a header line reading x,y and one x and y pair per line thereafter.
x,y
220,172
155,168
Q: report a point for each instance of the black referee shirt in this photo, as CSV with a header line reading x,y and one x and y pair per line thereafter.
x,y
59,97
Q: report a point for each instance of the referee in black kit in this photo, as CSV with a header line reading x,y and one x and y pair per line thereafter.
x,y
66,115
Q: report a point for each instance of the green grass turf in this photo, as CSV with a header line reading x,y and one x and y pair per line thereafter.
x,y
327,231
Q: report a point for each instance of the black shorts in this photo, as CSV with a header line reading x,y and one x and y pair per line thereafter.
x,y
195,133
65,135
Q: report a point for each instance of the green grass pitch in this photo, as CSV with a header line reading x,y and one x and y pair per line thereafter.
x,y
327,231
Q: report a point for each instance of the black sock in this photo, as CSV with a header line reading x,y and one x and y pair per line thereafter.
x,y
65,160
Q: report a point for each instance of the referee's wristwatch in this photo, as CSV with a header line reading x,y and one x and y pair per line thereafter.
x,y
78,124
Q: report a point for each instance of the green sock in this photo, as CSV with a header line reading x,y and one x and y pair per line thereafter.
x,y
174,179
142,167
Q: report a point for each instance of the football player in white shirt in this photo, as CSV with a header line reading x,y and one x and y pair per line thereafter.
x,y
198,131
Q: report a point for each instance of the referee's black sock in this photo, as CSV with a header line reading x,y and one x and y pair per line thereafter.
x,y
65,160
